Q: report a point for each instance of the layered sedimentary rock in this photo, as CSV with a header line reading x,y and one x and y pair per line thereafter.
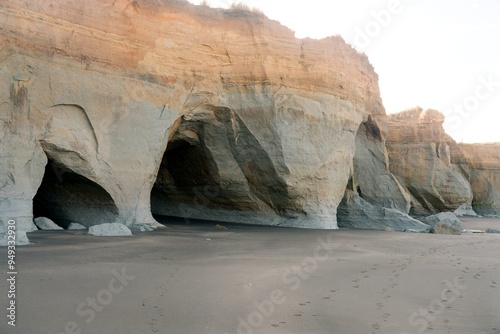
x,y
371,177
419,154
480,163
374,198
236,116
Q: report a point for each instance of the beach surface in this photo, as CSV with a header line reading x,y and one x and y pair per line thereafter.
x,y
214,279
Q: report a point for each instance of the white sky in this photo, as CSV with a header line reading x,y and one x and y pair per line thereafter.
x,y
437,54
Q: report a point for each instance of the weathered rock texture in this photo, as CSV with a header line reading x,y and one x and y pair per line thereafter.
x,y
419,154
238,118
465,210
444,223
109,230
44,223
371,177
76,226
355,212
374,198
480,163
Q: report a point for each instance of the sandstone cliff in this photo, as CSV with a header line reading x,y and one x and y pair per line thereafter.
x,y
237,118
480,163
419,154
374,198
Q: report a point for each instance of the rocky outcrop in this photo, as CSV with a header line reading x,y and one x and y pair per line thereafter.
x,y
480,163
419,154
371,177
374,198
109,230
465,210
355,212
235,116
44,223
492,230
444,223
76,226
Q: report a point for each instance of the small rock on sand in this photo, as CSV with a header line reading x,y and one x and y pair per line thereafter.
x,y
110,230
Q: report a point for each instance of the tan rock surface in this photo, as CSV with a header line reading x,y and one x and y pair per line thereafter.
x,y
374,198
481,163
419,154
108,83
372,178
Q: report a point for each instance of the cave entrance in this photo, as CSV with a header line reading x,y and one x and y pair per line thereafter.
x,y
65,197
189,166
187,183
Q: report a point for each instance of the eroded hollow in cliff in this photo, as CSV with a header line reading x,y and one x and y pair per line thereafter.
x,y
214,168
66,197
187,179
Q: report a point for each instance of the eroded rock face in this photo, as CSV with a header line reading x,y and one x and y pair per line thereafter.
x,y
419,154
465,210
355,212
22,159
374,198
267,169
481,164
371,177
444,223
110,94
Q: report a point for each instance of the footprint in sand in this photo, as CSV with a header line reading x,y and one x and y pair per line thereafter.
x,y
380,306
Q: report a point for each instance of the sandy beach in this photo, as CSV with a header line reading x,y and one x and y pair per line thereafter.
x,y
201,278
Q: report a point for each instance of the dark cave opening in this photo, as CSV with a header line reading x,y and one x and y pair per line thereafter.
x,y
189,166
187,181
65,197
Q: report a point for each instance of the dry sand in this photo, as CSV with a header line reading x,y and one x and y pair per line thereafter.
x,y
246,279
